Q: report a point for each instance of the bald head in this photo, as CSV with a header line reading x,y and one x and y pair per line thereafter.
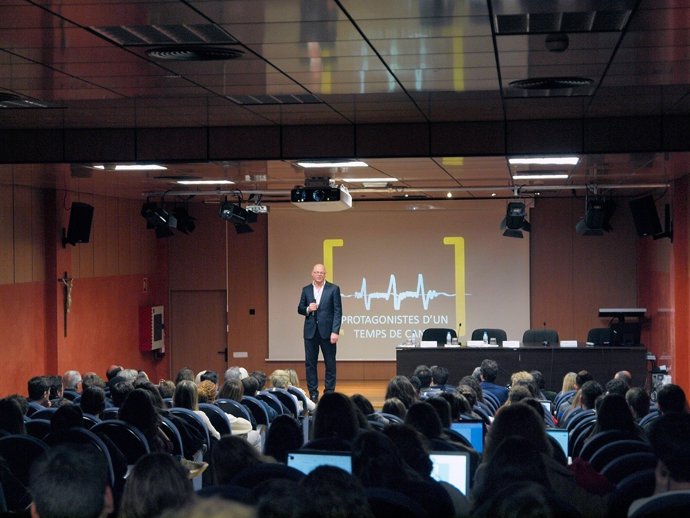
x,y
318,274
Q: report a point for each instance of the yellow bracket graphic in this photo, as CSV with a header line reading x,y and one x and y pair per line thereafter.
x,y
328,246
459,249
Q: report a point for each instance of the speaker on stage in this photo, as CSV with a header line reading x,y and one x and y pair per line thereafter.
x,y
79,228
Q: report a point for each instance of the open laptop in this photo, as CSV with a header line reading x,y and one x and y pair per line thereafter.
x,y
307,461
452,467
473,431
561,436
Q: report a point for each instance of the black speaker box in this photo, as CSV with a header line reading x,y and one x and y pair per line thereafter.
x,y
79,229
645,216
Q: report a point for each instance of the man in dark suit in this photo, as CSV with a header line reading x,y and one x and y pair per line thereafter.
x,y
323,312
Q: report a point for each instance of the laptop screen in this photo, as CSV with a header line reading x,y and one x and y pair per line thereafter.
x,y
561,435
473,431
452,467
307,461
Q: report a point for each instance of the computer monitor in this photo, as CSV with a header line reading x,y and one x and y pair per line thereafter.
x,y
561,436
452,467
307,461
473,431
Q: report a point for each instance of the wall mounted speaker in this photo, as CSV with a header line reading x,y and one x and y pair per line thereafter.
x,y
645,216
79,229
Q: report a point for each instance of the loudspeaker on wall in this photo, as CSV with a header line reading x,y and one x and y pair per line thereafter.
x,y
645,216
79,229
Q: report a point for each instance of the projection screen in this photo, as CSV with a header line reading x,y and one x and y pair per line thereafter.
x,y
401,268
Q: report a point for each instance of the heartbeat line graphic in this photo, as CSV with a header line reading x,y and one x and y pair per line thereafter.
x,y
392,292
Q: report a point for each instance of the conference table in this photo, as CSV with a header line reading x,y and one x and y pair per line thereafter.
x,y
553,361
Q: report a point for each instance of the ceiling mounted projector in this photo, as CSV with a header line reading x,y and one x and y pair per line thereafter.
x,y
321,198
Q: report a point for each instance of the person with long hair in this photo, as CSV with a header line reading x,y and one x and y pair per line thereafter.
x,y
186,396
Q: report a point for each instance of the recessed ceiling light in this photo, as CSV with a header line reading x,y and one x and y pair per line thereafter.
x,y
536,176
449,194
205,182
335,163
549,160
133,167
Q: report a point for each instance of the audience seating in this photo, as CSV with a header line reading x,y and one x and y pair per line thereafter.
x,y
632,487
194,420
89,420
668,505
128,438
577,416
32,407
44,413
232,407
579,435
289,401
627,464
385,503
257,410
301,396
272,401
20,452
218,417
173,434
492,401
38,428
70,394
594,443
613,450
651,416
109,413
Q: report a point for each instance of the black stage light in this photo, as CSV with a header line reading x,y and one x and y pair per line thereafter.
x,y
597,218
233,213
185,223
514,222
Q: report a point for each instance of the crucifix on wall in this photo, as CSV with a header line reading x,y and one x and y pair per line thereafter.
x,y
68,282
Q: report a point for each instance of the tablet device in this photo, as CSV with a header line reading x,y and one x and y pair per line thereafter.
x,y
561,435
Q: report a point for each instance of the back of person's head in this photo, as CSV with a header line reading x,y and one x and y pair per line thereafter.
x,y
590,391
362,403
439,375
534,403
11,417
138,410
92,400
232,373
569,381
400,387
583,377
671,398
514,459
153,391
261,377
156,482
250,386
519,392
670,439
279,498
476,386
214,507
625,376
55,383
232,389
280,378
416,383
538,378
91,379
67,416
423,374
442,408
638,401
616,386
207,391
488,370
457,405
113,371
520,499
71,380
119,391
468,392
186,395
166,388
230,455
377,462
412,446
211,376
331,492
518,419
335,417
283,436
185,373
614,414
71,480
294,378
423,417
394,407
38,388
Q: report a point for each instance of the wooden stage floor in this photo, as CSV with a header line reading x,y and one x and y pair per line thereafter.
x,y
374,391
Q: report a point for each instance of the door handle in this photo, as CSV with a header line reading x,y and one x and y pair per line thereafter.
x,y
224,352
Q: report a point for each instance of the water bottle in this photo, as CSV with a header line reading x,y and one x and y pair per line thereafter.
x,y
448,338
485,338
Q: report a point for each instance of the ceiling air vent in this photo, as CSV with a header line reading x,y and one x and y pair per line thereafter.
x,y
551,83
193,53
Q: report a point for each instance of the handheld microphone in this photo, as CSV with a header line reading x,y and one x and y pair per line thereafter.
x,y
314,312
